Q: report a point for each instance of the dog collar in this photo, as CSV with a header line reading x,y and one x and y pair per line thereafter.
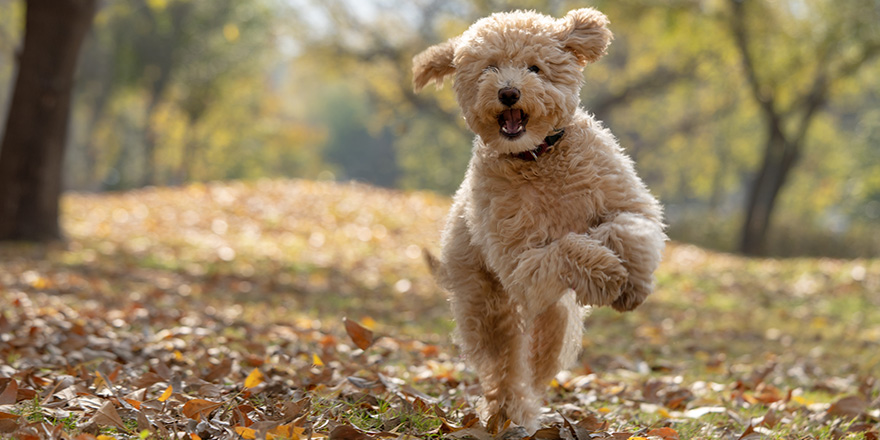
x,y
547,145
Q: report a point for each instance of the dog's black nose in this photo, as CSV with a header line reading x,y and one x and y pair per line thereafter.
x,y
508,96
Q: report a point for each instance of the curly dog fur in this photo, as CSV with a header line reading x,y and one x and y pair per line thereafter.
x,y
529,243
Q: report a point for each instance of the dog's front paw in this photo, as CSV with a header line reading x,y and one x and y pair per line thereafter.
x,y
627,302
597,275
536,278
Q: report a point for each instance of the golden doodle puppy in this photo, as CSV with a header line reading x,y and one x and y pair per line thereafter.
x,y
551,216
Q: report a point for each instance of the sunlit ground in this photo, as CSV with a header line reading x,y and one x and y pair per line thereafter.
x,y
193,288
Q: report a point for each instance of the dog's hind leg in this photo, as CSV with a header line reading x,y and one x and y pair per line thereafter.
x,y
556,339
492,336
490,331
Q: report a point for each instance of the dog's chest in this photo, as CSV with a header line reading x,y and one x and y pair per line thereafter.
x,y
550,206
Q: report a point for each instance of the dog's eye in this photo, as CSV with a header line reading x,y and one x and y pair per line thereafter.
x,y
535,69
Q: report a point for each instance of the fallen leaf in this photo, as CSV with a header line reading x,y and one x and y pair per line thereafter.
x,y
144,423
5,415
254,378
166,394
220,371
195,408
149,378
770,419
750,434
7,426
346,432
547,434
664,433
593,423
474,432
246,433
316,361
107,416
850,406
362,337
10,394
135,403
285,432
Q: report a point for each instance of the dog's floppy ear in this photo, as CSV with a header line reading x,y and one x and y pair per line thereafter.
x,y
433,65
584,32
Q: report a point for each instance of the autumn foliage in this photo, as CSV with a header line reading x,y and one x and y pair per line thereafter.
x,y
295,309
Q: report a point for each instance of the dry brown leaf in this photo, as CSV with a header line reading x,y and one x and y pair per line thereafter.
x,y
361,336
592,423
144,422
347,432
770,419
107,416
577,432
10,395
751,434
220,371
476,432
195,408
7,426
147,380
867,428
547,434
850,406
664,433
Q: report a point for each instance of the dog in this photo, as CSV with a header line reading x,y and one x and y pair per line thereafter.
x,y
551,217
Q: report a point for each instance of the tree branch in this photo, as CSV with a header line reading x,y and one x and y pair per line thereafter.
x,y
738,28
659,79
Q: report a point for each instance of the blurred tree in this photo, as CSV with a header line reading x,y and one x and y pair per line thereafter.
x,y
32,150
792,65
169,82
11,23
371,46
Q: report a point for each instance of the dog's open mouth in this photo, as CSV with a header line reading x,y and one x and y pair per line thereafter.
x,y
513,122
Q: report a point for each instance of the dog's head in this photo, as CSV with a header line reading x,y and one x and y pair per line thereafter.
x,y
517,75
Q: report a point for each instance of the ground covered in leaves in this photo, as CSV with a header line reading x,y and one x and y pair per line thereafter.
x,y
295,310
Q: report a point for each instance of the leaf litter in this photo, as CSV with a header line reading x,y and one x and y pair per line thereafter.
x,y
219,311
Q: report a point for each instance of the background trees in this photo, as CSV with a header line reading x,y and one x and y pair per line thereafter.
x,y
756,122
36,126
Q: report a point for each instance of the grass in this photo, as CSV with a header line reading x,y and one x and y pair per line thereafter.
x,y
262,273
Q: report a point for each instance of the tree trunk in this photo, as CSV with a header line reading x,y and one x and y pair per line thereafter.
x,y
33,144
780,155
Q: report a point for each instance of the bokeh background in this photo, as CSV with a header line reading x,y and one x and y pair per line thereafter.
x,y
733,110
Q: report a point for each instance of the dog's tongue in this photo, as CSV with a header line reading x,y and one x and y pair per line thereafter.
x,y
512,120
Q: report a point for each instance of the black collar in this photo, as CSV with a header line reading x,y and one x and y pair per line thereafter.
x,y
547,145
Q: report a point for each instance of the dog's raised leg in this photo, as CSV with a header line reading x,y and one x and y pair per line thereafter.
x,y
575,261
639,242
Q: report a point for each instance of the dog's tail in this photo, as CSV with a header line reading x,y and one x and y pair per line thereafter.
x,y
434,264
